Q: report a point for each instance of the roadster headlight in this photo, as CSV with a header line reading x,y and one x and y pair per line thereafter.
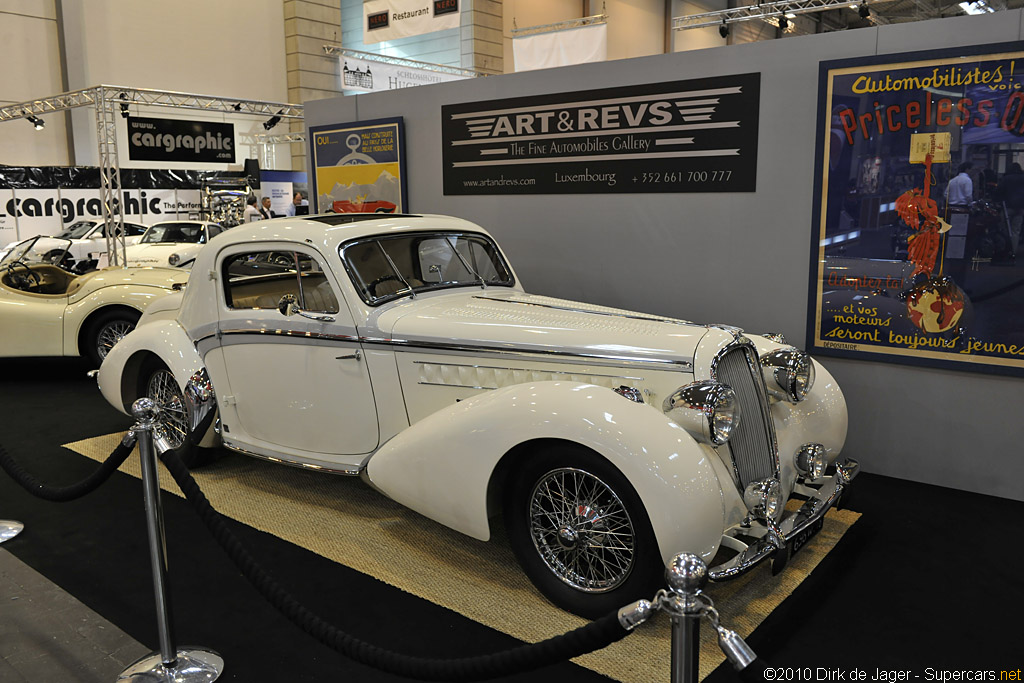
x,y
811,460
174,259
706,409
788,374
763,497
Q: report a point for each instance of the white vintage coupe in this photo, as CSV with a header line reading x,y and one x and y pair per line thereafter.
x,y
171,243
403,349
47,310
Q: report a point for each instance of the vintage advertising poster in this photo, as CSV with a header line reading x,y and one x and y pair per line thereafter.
x,y
359,167
918,210
682,136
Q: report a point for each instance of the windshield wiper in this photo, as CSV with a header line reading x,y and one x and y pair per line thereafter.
x,y
483,285
394,268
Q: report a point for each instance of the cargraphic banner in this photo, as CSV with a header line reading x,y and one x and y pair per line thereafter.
x,y
363,75
683,136
394,19
152,139
918,210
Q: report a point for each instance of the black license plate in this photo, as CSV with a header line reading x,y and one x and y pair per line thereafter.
x,y
800,540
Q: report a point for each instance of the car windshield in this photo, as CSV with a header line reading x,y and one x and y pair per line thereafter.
x,y
175,232
387,267
77,230
37,250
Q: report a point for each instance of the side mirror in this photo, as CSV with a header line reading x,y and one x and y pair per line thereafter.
x,y
288,305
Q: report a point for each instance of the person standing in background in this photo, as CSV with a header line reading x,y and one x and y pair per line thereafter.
x,y
265,208
251,213
960,190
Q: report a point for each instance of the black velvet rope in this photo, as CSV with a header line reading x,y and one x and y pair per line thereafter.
x,y
753,672
593,636
64,494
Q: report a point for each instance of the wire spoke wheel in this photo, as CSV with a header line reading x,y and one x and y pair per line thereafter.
x,y
582,530
171,423
111,333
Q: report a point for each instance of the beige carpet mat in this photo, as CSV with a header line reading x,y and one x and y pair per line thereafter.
x,y
344,520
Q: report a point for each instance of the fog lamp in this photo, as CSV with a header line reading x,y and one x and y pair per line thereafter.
x,y
788,374
763,497
811,460
707,409
174,259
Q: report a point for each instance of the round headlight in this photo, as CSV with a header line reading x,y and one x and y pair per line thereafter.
x,y
811,460
763,497
174,259
706,409
788,374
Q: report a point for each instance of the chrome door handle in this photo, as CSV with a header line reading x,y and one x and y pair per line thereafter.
x,y
358,355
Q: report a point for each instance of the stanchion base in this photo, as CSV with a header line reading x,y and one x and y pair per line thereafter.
x,y
194,664
9,529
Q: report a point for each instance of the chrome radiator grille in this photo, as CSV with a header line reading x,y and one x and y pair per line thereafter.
x,y
753,441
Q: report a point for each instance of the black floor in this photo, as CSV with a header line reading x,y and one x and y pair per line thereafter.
x,y
929,580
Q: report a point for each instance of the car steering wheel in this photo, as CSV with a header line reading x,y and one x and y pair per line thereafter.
x,y
26,281
372,287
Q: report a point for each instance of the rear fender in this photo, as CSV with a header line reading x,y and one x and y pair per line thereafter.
x,y
442,466
168,342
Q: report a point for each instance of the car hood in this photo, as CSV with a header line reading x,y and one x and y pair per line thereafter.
x,y
156,254
497,319
163,278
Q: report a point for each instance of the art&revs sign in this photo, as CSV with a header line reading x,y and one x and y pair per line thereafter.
x,y
684,136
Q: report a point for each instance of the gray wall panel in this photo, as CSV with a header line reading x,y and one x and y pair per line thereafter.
x,y
740,258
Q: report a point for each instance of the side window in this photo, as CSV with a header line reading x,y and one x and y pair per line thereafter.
x,y
134,230
258,280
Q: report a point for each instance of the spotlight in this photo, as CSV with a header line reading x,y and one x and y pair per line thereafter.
x,y
238,106
273,120
35,121
783,23
723,30
863,11
124,105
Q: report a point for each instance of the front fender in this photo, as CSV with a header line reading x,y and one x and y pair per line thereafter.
x,y
118,377
442,465
131,296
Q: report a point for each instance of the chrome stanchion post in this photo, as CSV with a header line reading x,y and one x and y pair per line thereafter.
x,y
170,664
686,576
9,529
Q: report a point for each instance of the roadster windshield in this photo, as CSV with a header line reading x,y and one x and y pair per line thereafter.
x,y
387,267
175,232
37,250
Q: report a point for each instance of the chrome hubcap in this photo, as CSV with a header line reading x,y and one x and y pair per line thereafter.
x,y
171,427
112,333
581,530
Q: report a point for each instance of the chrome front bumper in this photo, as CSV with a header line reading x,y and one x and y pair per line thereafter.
x,y
776,540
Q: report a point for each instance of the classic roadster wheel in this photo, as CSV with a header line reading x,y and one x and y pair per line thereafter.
x,y
580,532
106,330
172,430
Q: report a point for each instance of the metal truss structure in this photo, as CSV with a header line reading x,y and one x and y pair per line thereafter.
x,y
332,50
108,101
769,12
566,25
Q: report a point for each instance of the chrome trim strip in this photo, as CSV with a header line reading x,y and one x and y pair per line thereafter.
x,y
290,333
454,386
809,513
648,318
682,365
686,365
495,367
299,463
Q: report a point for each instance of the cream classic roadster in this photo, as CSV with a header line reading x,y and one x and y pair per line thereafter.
x,y
47,310
403,349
